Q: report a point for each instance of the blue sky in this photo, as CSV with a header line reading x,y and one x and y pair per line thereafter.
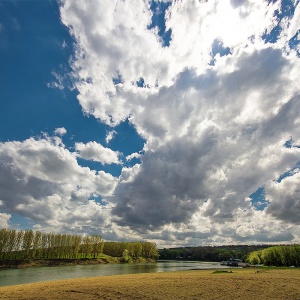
x,y
162,120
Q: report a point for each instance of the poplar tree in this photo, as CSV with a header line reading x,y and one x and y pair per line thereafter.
x,y
19,240
4,238
27,243
12,235
86,247
36,247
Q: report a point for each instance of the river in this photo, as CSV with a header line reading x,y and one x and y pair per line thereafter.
x,y
21,276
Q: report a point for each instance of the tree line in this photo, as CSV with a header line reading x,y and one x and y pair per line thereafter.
x,y
279,256
29,244
210,253
133,249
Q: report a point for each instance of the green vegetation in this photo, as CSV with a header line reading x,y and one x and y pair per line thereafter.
x,y
210,253
134,249
221,271
279,256
29,244
126,257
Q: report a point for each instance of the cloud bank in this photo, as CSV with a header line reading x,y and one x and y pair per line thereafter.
x,y
41,180
216,125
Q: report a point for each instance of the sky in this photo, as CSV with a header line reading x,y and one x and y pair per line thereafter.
x,y
176,122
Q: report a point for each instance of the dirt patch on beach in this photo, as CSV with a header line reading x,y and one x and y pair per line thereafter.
x,y
202,284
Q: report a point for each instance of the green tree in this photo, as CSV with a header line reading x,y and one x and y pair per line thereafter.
x,y
137,249
36,247
19,240
86,247
76,242
126,257
27,243
254,258
4,240
97,245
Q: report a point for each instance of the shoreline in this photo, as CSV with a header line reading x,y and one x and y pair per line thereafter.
x,y
35,263
196,284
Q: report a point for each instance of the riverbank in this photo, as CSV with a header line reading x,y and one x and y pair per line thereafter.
x,y
29,263
200,284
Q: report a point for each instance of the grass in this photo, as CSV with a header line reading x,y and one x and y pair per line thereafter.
x,y
197,284
19,256
27,263
221,271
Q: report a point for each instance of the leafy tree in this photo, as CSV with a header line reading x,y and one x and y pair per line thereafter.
x,y
4,240
18,243
277,256
254,257
86,247
126,257
36,247
76,242
97,245
137,249
27,243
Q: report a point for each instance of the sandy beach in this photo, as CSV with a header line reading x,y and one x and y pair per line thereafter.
x,y
196,284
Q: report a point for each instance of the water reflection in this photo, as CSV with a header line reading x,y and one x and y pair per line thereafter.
x,y
20,276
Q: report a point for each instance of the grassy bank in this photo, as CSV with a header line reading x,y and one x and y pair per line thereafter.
x,y
28,263
202,284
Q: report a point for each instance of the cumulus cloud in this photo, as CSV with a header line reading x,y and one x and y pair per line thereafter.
x,y
96,152
41,180
214,133
105,35
60,131
285,199
220,147
249,227
4,218
133,155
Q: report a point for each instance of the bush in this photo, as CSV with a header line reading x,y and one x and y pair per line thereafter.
x,y
126,257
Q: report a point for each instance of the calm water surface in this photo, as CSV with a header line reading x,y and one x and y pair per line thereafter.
x,y
20,276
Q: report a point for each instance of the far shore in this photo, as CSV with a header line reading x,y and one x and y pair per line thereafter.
x,y
28,263
196,284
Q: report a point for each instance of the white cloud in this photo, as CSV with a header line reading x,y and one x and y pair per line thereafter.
x,y
96,152
4,218
58,83
42,181
133,155
294,26
110,135
250,227
114,40
214,134
60,131
285,199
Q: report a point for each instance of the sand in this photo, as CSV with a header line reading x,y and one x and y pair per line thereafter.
x,y
196,284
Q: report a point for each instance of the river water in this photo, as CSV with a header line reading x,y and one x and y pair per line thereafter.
x,y
20,276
